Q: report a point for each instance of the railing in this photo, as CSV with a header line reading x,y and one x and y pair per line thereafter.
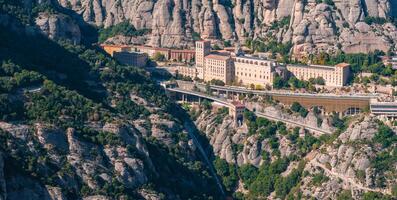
x,y
284,93
260,114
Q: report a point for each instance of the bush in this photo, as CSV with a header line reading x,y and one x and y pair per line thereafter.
x,y
279,83
227,172
345,195
123,28
206,104
385,136
319,178
248,173
159,57
217,82
296,107
374,20
375,196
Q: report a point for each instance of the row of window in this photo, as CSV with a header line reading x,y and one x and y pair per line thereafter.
x,y
251,62
254,75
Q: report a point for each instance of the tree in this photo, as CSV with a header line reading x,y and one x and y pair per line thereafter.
x,y
208,88
227,172
278,82
296,107
216,47
385,136
320,81
345,195
123,28
248,173
9,68
227,43
217,82
158,57
375,196
206,104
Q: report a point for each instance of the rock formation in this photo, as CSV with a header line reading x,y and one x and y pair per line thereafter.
x,y
314,27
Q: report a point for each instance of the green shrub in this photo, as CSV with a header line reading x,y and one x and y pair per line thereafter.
x,y
123,28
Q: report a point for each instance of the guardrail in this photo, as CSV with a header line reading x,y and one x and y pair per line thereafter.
x,y
282,93
260,114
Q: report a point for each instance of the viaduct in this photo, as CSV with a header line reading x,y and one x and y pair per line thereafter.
x,y
343,104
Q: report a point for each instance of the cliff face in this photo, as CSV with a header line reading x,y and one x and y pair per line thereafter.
x,y
351,163
59,141
312,27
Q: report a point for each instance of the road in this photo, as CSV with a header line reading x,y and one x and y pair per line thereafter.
x,y
283,93
192,133
287,121
349,180
202,95
260,114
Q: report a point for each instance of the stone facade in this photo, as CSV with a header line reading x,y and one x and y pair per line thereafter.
x,y
182,55
137,59
219,67
333,75
151,51
187,71
203,48
252,70
110,49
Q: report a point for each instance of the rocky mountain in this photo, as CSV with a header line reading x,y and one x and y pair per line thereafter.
x,y
76,125
350,164
311,25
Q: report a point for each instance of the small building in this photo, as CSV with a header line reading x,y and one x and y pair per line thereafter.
x,y
388,60
182,55
237,112
151,51
333,75
384,108
137,59
110,49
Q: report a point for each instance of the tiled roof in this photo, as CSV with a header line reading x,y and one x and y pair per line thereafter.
x,y
342,65
217,57
238,104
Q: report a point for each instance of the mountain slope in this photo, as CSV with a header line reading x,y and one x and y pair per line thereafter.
x,y
75,124
311,25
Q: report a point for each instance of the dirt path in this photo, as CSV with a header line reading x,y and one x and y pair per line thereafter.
x,y
344,178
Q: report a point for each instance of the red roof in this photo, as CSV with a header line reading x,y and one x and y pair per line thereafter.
x,y
182,51
342,65
238,104
217,57
114,45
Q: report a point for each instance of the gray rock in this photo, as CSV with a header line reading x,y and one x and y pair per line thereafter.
x,y
313,27
58,26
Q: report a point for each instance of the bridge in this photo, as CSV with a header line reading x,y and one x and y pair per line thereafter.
x,y
200,95
344,104
235,112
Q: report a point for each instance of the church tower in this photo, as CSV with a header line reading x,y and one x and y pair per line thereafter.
x,y
203,48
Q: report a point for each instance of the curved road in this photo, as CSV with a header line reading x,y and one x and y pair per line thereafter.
x,y
228,104
349,180
191,132
280,92
287,121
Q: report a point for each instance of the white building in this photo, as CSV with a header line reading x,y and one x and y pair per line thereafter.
x,y
253,70
333,75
